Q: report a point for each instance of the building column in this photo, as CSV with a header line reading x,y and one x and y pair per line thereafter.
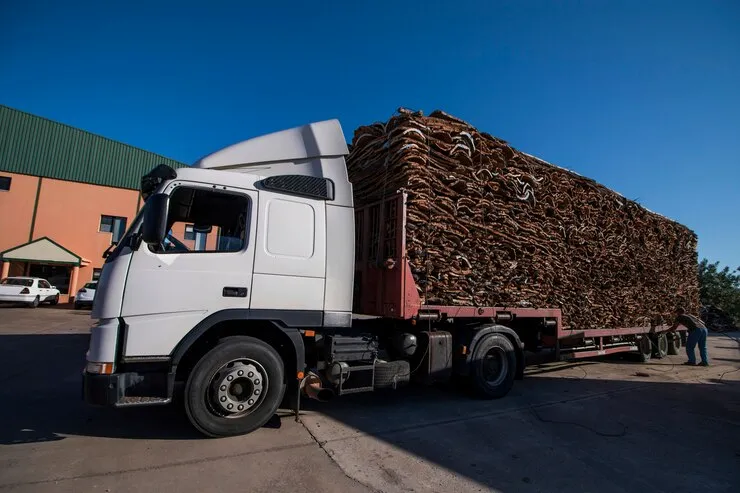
x,y
73,282
6,270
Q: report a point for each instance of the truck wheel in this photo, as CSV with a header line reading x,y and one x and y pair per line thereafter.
x,y
674,344
235,388
645,348
660,346
493,367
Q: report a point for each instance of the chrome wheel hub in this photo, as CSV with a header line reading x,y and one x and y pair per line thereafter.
x,y
238,387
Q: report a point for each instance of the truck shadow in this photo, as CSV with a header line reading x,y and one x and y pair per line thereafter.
x,y
41,382
548,425
548,434
41,386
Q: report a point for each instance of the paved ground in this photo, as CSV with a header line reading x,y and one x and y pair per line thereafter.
x,y
607,427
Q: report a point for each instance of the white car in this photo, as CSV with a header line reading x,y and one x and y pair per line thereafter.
x,y
86,295
31,291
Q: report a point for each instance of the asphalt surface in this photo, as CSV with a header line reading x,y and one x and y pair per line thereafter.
x,y
593,426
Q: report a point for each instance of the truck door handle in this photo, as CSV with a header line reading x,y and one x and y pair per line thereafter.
x,y
235,292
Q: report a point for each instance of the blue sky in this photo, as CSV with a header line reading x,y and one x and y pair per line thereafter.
x,y
642,96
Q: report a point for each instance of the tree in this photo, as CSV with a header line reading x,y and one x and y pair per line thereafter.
x,y
720,287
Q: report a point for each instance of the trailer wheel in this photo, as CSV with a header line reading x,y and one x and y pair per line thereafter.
x,y
660,346
235,388
674,344
645,348
493,367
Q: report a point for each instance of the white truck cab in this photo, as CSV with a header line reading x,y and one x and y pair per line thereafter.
x,y
275,251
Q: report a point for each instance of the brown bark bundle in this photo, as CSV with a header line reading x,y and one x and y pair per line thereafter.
x,y
488,225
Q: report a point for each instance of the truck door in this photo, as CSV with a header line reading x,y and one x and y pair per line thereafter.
x,y
204,266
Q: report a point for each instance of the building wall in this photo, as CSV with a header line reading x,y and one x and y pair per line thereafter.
x,y
69,213
16,210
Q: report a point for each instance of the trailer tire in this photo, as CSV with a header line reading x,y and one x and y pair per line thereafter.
x,y
660,346
241,372
645,348
674,344
391,374
493,367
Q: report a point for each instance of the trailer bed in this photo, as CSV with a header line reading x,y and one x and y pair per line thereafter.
x,y
385,287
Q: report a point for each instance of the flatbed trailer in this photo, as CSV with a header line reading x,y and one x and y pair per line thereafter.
x,y
385,287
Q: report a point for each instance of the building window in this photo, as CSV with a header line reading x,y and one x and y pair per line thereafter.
x,y
4,183
200,241
96,274
114,225
189,232
199,238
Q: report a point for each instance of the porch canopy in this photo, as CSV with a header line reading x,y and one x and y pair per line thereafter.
x,y
43,251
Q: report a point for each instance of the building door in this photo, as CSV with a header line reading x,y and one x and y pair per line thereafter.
x,y
57,275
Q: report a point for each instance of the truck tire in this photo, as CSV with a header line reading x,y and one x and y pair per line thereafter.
x,y
493,367
674,344
391,374
660,346
645,348
235,388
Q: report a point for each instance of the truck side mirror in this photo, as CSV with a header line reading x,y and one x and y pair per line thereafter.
x,y
154,226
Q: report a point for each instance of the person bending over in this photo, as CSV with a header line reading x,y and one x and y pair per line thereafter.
x,y
697,335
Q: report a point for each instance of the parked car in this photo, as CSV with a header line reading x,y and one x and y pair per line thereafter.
x,y
86,295
31,291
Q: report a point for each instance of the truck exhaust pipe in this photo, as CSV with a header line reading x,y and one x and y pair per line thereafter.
x,y
312,387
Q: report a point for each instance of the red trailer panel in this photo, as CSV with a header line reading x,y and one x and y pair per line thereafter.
x,y
384,284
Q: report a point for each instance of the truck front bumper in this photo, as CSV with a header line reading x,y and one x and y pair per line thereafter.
x,y
101,390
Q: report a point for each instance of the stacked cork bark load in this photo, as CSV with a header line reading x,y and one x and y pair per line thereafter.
x,y
488,225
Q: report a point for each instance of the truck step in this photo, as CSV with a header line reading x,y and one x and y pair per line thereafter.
x,y
357,390
131,401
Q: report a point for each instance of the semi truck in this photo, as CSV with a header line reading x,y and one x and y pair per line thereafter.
x,y
290,291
